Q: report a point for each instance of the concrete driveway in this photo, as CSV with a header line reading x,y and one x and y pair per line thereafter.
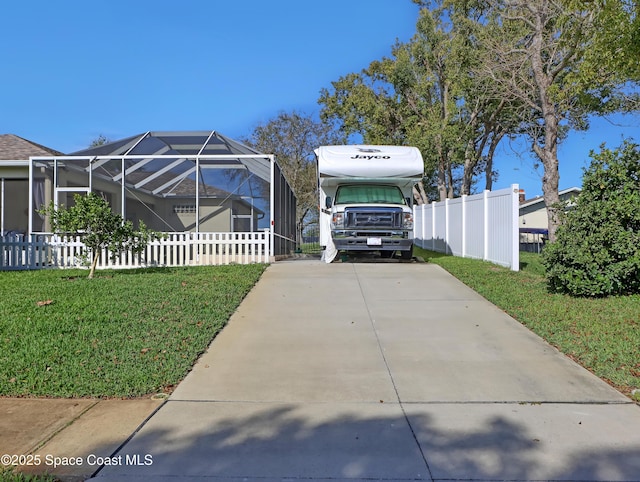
x,y
362,371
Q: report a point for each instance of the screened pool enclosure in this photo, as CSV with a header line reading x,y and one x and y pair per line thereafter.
x,y
175,182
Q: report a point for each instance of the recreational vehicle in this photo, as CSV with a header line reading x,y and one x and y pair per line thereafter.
x,y
366,198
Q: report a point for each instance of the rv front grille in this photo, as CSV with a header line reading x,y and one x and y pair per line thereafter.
x,y
373,218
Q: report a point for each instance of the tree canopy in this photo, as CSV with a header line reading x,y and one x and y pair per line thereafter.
x,y
479,70
548,58
425,96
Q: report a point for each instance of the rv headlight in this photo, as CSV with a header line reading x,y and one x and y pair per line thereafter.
x,y
407,221
337,221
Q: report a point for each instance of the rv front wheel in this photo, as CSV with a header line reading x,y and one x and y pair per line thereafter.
x,y
407,254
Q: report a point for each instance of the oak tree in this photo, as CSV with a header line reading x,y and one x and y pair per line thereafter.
x,y
548,57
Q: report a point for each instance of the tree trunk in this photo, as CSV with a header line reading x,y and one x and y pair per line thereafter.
x,y
444,164
488,174
442,173
94,263
450,191
488,169
548,153
550,181
442,182
470,161
419,194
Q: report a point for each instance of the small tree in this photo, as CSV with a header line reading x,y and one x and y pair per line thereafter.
x,y
92,219
597,250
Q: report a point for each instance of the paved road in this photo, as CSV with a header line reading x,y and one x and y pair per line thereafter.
x,y
361,371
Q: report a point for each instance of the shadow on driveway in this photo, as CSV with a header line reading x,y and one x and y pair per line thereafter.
x,y
291,442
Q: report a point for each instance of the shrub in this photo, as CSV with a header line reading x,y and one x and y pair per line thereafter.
x,y
597,249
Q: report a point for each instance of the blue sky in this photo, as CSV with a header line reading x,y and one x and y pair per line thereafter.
x,y
75,69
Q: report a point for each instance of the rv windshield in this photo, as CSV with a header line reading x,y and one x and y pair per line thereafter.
x,y
369,194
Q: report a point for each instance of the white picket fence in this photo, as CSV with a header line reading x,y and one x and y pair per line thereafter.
x,y
18,252
482,226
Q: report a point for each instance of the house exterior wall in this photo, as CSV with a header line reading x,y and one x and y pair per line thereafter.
x,y
181,216
14,172
215,215
214,218
15,206
137,211
533,217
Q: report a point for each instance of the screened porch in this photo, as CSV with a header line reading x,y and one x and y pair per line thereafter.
x,y
194,182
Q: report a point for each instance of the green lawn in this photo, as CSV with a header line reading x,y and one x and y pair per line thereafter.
x,y
130,333
7,474
601,334
126,333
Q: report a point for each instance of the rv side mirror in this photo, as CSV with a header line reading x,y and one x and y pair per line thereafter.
x,y
327,202
408,200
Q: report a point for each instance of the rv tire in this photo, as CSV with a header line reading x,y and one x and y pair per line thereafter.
x,y
408,254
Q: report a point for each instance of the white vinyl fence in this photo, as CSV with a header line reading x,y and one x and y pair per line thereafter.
x,y
176,249
482,226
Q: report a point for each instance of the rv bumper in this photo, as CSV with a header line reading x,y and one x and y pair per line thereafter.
x,y
395,241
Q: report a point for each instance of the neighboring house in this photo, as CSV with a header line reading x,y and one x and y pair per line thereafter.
x,y
533,212
14,181
533,221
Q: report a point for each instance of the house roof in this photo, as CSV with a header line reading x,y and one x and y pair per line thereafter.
x,y
540,199
15,148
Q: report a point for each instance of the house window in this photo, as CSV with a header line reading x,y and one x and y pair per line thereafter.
x,y
184,208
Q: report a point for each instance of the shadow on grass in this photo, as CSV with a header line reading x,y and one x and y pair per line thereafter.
x,y
148,270
427,254
75,274
110,273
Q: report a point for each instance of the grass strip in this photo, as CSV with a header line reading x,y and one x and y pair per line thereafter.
x,y
601,334
125,333
7,474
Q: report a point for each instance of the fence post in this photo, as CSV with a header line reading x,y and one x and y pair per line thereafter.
x,y
485,224
463,208
2,251
435,212
515,231
447,234
418,236
32,253
423,229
